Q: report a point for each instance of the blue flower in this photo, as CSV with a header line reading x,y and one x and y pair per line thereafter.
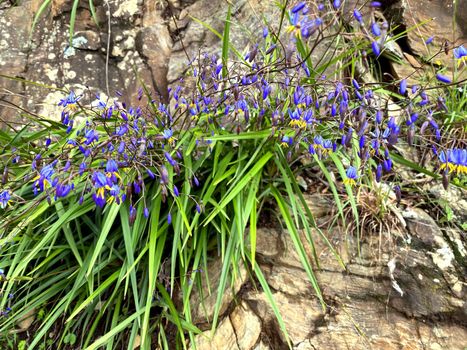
x,y
460,54
70,102
303,26
101,183
62,190
286,141
454,160
5,198
168,135
351,176
91,136
44,179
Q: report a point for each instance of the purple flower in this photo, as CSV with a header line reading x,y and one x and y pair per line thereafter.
x,y
351,176
460,53
5,198
403,87
379,172
170,159
375,48
298,7
355,84
375,29
443,78
358,16
111,166
150,173
169,218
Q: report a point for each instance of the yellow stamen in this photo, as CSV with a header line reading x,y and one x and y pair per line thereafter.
x,y
100,192
350,182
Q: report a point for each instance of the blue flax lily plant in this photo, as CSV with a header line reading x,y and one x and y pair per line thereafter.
x,y
109,219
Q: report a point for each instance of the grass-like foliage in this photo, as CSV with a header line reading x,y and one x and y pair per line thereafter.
x,y
110,218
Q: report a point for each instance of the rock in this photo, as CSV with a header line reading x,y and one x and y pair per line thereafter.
x,y
239,331
14,28
155,44
423,228
431,18
61,6
204,302
196,37
26,321
409,68
86,40
318,205
126,9
261,346
299,314
454,197
268,243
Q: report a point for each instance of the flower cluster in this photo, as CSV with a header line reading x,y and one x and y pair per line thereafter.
x,y
119,149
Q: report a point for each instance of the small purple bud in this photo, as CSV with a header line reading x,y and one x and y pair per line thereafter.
x,y
379,172
358,16
443,78
410,136
176,193
355,84
379,117
398,193
403,87
375,48
298,7
169,218
150,173
146,212
375,29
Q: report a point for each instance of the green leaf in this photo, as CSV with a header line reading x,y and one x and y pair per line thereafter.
x,y
226,43
108,222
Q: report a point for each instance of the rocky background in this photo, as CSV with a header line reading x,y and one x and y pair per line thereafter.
x,y
406,290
